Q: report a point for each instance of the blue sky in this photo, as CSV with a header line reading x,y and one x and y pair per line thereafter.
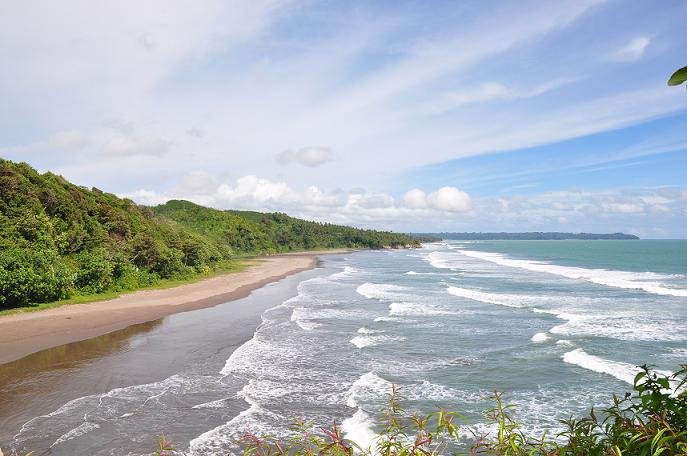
x,y
532,115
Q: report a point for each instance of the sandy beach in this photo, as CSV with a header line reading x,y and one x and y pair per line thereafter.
x,y
26,333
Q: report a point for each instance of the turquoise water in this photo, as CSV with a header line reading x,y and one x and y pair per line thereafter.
x,y
666,256
557,326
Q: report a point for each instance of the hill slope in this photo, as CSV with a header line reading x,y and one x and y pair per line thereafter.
x,y
58,240
251,232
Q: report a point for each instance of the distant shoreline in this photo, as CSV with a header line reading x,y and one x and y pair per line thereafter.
x,y
25,333
527,236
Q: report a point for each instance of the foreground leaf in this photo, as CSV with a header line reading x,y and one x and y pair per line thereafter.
x,y
678,77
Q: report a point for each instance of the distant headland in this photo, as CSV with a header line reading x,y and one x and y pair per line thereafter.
x,y
528,236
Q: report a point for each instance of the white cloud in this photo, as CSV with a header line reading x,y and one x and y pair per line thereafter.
x,y
195,132
623,208
70,140
124,144
446,209
254,191
415,199
655,200
357,206
634,50
495,91
486,92
306,156
63,141
449,199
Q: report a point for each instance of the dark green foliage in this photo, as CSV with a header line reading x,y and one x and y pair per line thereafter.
x,y
257,232
58,240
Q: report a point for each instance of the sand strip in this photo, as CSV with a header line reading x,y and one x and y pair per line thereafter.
x,y
25,333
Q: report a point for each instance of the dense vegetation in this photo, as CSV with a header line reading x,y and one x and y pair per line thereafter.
x,y
529,236
250,232
652,421
59,240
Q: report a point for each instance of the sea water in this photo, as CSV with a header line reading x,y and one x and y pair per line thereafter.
x,y
558,327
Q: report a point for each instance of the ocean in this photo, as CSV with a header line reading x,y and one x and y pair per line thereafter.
x,y
557,326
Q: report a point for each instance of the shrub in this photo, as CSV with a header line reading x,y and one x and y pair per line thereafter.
x,y
31,276
95,271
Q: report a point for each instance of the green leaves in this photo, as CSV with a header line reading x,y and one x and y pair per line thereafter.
x,y
679,77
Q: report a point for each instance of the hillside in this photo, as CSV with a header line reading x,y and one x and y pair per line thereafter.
x,y
528,236
59,240
258,232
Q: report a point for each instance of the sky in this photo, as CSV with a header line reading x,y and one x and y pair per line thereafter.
x,y
405,115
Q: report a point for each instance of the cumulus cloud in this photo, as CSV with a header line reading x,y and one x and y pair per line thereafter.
x,y
449,199
634,50
355,206
306,156
415,199
445,209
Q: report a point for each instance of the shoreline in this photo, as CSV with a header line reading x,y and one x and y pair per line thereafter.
x,y
25,333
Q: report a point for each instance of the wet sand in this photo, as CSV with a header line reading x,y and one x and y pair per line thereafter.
x,y
26,333
191,346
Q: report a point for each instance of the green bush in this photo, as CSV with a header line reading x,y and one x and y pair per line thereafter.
x,y
95,272
28,275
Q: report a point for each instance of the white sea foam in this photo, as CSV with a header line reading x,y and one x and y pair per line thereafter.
x,y
443,260
621,325
428,391
347,272
219,403
585,319
358,429
416,309
420,273
622,371
381,291
71,420
394,320
540,337
300,314
362,341
216,441
648,281
78,431
308,325
367,386
365,330
491,298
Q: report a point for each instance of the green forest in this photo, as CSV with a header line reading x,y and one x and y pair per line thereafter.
x,y
60,241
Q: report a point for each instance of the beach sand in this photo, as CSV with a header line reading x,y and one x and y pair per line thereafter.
x,y
25,333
